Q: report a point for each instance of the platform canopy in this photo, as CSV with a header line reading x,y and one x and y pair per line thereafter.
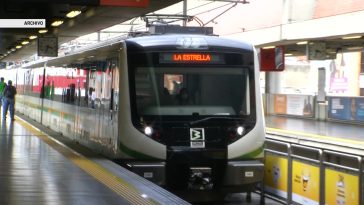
x,y
96,15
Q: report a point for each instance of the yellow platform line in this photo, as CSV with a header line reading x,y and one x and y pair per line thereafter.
x,y
322,137
117,184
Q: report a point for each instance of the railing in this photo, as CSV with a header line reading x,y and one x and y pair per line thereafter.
x,y
299,174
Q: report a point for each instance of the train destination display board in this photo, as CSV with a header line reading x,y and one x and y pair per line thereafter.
x,y
207,58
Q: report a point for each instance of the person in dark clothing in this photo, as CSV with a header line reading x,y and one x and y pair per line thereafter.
x,y
9,100
183,97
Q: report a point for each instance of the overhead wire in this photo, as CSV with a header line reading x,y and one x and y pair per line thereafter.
x,y
200,22
195,18
218,7
220,14
196,7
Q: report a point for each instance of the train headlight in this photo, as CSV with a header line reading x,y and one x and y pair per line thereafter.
x,y
240,130
148,130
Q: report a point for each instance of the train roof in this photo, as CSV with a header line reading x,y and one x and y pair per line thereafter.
x,y
187,41
150,42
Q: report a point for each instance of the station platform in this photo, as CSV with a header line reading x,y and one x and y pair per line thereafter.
x,y
37,169
335,132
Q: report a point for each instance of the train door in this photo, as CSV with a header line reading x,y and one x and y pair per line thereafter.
x,y
108,108
95,90
114,104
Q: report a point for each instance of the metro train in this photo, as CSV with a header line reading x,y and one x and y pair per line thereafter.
x,y
182,110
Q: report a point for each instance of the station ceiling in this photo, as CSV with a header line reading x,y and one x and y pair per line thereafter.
x,y
332,45
96,15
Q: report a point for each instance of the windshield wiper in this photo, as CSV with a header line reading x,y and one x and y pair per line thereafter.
x,y
214,118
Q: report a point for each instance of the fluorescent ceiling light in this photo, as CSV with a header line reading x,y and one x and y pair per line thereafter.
x,y
288,54
268,47
73,14
351,37
355,48
302,43
18,46
57,23
43,31
25,42
33,37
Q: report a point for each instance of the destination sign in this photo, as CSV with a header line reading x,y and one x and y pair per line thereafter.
x,y
191,58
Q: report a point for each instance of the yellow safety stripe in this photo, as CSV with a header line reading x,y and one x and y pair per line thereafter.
x,y
336,139
117,184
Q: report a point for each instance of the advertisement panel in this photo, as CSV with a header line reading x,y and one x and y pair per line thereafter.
x,y
276,175
346,108
340,108
280,104
359,109
295,104
305,183
344,74
341,188
299,105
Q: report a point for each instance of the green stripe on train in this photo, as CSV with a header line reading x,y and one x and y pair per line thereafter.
x,y
252,154
135,154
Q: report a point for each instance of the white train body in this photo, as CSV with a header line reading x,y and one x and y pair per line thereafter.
x,y
184,111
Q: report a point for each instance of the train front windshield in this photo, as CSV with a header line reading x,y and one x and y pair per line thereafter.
x,y
192,89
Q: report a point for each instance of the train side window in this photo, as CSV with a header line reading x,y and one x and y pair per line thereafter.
x,y
115,87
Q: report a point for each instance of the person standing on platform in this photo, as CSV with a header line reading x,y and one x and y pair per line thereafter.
x,y
2,88
9,100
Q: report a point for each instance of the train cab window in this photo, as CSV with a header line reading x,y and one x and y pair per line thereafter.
x,y
192,90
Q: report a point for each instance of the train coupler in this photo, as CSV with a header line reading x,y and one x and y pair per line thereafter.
x,y
200,178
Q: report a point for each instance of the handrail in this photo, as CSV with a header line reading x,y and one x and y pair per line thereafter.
x,y
276,152
321,163
341,166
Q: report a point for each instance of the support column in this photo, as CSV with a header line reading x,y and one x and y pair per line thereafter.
x,y
185,12
273,82
273,85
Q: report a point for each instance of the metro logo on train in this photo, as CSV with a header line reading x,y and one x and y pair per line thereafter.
x,y
197,134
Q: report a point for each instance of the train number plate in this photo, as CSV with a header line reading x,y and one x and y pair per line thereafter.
x,y
249,174
197,144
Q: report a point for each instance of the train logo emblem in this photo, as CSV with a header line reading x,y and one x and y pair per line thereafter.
x,y
192,42
197,137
